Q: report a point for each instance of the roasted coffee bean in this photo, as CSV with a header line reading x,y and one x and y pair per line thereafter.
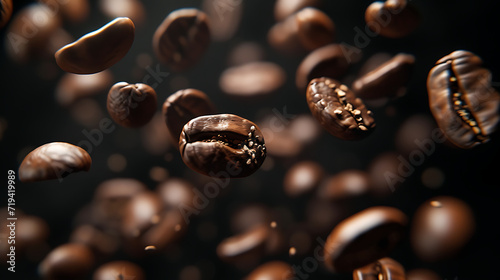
x,y
462,100
329,61
98,50
422,274
346,184
5,12
68,261
53,161
302,178
225,17
441,227
222,146
133,9
364,238
386,80
338,110
72,87
119,270
75,11
306,30
183,106
392,18
182,38
273,270
383,269
131,105
284,8
252,80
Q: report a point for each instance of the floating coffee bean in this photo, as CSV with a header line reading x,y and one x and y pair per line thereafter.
x,y
5,12
338,110
302,178
346,184
131,105
383,269
53,161
273,270
441,227
133,9
182,38
68,261
392,18
183,106
98,50
225,17
72,87
364,238
119,270
462,100
222,145
422,274
284,8
387,80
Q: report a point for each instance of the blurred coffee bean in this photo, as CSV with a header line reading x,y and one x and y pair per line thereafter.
x,y
183,106
383,269
415,134
54,160
303,177
98,50
346,184
69,261
170,228
225,17
131,105
244,53
252,80
247,216
72,87
422,274
119,270
155,136
304,128
441,226
364,238
141,212
176,192
284,8
74,11
5,12
133,9
373,62
387,172
182,39
392,18
272,270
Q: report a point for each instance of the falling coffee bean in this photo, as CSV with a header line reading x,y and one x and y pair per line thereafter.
x,y
119,270
5,12
392,18
68,261
131,105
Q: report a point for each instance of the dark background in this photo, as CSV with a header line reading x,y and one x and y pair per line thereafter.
x,y
34,118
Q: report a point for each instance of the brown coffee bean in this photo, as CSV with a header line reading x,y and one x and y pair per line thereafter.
x,y
98,50
133,9
54,160
182,38
422,274
462,100
222,146
72,87
183,106
387,79
441,227
392,18
225,17
338,110
284,8
131,105
119,270
67,261
141,213
383,269
302,178
273,270
346,184
252,80
364,238
176,192
5,12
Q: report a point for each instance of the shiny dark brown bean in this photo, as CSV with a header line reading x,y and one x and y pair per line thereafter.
x,y
346,184
284,8
222,146
5,12
183,106
131,105
273,270
364,238
392,18
68,261
182,38
119,270
225,17
98,50
53,161
72,87
462,100
441,227
338,110
383,269
422,274
302,178
387,79
133,9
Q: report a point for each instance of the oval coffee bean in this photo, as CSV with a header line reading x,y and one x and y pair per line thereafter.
x,y
364,238
98,50
222,146
462,100
246,247
273,270
68,261
346,184
177,193
183,106
131,105
182,38
5,12
119,270
338,110
302,178
383,269
392,18
53,161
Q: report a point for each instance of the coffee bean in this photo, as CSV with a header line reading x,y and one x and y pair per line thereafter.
x,y
131,105
67,261
183,106
422,274
222,146
383,269
176,192
72,87
302,178
338,110
441,227
54,160
284,8
182,38
344,185
392,18
462,100
273,270
119,270
364,238
225,17
133,9
5,12
387,79
98,50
